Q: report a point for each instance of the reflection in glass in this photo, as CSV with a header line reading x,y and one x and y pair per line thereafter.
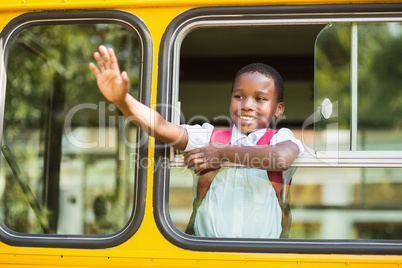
x,y
326,203
66,139
347,203
332,82
380,87
377,78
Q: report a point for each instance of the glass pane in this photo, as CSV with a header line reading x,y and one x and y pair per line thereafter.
x,y
332,88
378,80
329,203
66,140
347,203
181,196
380,87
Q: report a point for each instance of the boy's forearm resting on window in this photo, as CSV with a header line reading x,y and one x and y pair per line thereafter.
x,y
277,157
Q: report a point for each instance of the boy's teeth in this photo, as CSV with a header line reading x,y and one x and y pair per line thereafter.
x,y
246,117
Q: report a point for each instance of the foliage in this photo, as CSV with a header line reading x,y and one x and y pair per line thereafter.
x,y
44,62
379,72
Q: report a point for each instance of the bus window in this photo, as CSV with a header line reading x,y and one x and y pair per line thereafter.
x,y
342,94
64,145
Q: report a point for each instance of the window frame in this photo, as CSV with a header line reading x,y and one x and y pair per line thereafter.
x,y
129,20
169,57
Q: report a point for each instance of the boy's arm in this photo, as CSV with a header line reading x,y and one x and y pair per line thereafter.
x,y
276,157
114,86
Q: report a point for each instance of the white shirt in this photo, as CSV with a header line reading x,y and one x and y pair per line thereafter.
x,y
241,202
200,136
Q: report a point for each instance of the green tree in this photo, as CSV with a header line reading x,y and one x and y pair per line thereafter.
x,y
47,76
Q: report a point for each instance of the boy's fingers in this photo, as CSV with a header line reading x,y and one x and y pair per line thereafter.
x,y
105,57
125,79
113,60
188,155
193,157
200,168
94,69
195,162
99,60
91,66
191,164
191,152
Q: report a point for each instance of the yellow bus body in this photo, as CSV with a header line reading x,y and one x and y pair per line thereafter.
x,y
148,247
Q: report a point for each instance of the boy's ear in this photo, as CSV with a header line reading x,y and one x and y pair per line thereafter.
x,y
280,108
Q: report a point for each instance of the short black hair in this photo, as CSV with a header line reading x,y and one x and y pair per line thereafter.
x,y
269,72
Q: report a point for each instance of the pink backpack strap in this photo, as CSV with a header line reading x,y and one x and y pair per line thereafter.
x,y
266,138
221,135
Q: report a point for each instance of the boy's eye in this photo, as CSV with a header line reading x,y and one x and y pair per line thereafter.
x,y
260,99
238,97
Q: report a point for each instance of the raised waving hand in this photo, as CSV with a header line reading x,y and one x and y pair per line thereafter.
x,y
114,86
112,83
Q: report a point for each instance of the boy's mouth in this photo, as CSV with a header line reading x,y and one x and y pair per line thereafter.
x,y
248,118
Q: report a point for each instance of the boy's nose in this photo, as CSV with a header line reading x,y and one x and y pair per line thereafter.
x,y
247,104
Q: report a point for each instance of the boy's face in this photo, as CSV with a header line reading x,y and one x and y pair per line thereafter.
x,y
254,102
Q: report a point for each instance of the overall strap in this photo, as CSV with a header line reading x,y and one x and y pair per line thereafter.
x,y
274,176
207,176
282,191
218,135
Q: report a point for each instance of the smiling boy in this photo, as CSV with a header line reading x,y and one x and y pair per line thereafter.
x,y
240,202
257,97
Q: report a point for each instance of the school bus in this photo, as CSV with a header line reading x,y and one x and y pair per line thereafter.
x,y
81,186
